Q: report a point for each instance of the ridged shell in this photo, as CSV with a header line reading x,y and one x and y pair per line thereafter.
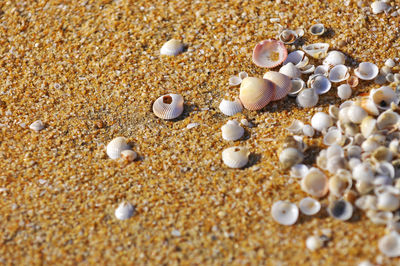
x,y
335,58
319,83
309,206
366,71
315,183
230,108
317,29
116,146
339,73
232,131
269,53
168,106
316,50
344,91
235,157
284,212
290,70
255,93
282,84
172,48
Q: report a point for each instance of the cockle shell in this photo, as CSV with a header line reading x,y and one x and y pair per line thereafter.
x,y
321,121
230,108
232,131
290,70
390,244
116,146
235,157
383,97
317,29
297,86
309,206
124,211
288,36
366,71
307,98
168,106
344,91
284,212
255,93
335,58
339,73
172,48
269,53
315,183
341,210
320,83
282,83
316,50
297,58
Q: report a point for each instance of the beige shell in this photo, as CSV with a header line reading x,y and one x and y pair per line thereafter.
x,y
340,183
116,146
128,155
368,126
289,157
235,157
369,106
168,106
269,53
316,50
232,131
390,244
290,70
315,183
383,97
288,36
172,48
352,81
255,93
282,83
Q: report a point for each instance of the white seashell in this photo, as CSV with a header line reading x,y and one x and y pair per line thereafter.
x,y
379,217
308,130
230,108
333,111
315,183
314,242
368,126
269,53
298,170
385,70
334,58
128,155
390,244
307,69
37,125
388,202
116,146
380,6
295,127
341,210
366,202
387,120
168,106
172,48
343,115
339,73
234,81
282,83
284,212
124,211
356,114
390,63
322,70
321,121
383,97
397,78
316,50
289,157
333,151
385,169
307,98
317,29
287,36
340,183
335,163
344,91
366,71
297,86
242,75
333,137
387,189
319,83
389,77
297,58
354,151
235,157
364,172
309,206
232,131
290,70
255,93
368,105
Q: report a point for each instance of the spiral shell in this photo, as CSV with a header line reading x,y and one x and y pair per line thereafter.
x,y
168,106
255,93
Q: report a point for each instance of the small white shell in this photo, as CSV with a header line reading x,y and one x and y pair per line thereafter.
x,y
297,86
319,83
366,202
307,69
339,73
316,50
309,206
366,71
335,58
290,70
356,114
390,63
333,111
242,75
315,183
234,81
388,202
383,97
317,29
335,163
295,127
232,131
390,244
321,121
333,137
297,58
308,131
37,125
116,146
284,212
307,98
364,172
380,6
289,157
288,36
282,83
314,242
128,155
235,157
124,211
368,126
322,70
341,210
334,150
344,91
230,108
387,120
168,106
298,170
172,48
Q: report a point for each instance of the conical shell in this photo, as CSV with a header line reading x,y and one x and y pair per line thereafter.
x,y
366,71
168,106
230,108
116,146
316,50
269,53
235,157
282,84
290,70
172,48
255,93
315,183
339,73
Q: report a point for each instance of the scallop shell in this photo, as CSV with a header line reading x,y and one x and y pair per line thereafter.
x,y
344,91
124,211
320,83
383,97
390,244
284,212
289,157
230,108
315,183
307,98
116,146
297,86
341,210
172,48
317,29
297,58
290,70
37,125
168,106
309,206
255,93
366,71
380,6
322,70
321,121
288,36
334,58
232,131
316,50
269,53
282,83
339,73
235,157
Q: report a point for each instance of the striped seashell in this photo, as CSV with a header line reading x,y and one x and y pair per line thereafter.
x,y
168,106
235,157
230,108
282,83
116,146
255,93
269,53
172,48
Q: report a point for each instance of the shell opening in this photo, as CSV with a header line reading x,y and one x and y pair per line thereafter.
x,y
167,99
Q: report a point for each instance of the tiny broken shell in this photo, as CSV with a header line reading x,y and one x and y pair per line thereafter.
x,y
284,212
168,106
116,146
230,108
172,48
269,53
309,206
37,125
124,211
235,157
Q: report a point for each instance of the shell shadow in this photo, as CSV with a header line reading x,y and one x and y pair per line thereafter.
x,y
329,33
254,158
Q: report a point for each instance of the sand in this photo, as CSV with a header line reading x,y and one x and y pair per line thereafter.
x,y
90,70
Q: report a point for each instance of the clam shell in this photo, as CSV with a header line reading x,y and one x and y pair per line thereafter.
x,y
307,98
383,97
297,58
321,121
282,83
390,244
297,86
315,183
128,155
322,70
37,125
124,211
339,73
344,91
242,75
340,183
289,157
334,58
288,36
387,119
317,29
230,108
316,50
116,146
290,70
234,81
368,126
235,157
168,106
255,93
309,206
380,6
284,212
319,83
298,170
341,210
269,53
295,127
232,131
356,114
366,71
172,48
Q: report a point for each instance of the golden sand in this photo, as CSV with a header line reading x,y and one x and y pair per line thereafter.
x,y
90,70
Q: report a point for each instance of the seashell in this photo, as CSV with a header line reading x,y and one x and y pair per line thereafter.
x,y
315,183
288,36
297,86
116,146
368,105
350,129
334,58
269,53
309,206
364,187
344,91
366,202
321,121
255,93
128,155
284,212
322,159
333,137
235,157
382,181
232,131
357,114
234,81
390,244
316,50
319,83
383,97
289,157
333,111
308,130
290,70
336,163
364,172
317,29
389,77
369,145
339,73
385,70
343,115
368,126
298,170
386,169
307,98
380,6
387,189
292,142
397,78
340,183
230,108
379,217
295,127
341,210
168,106
388,202
390,63
172,48
282,83
387,120
366,71
354,151
300,32
242,75
352,81
124,211
333,151
322,70
314,242
297,58
37,125
307,69
346,104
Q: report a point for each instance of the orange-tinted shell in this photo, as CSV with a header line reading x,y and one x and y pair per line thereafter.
x,y
269,53
255,93
283,84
